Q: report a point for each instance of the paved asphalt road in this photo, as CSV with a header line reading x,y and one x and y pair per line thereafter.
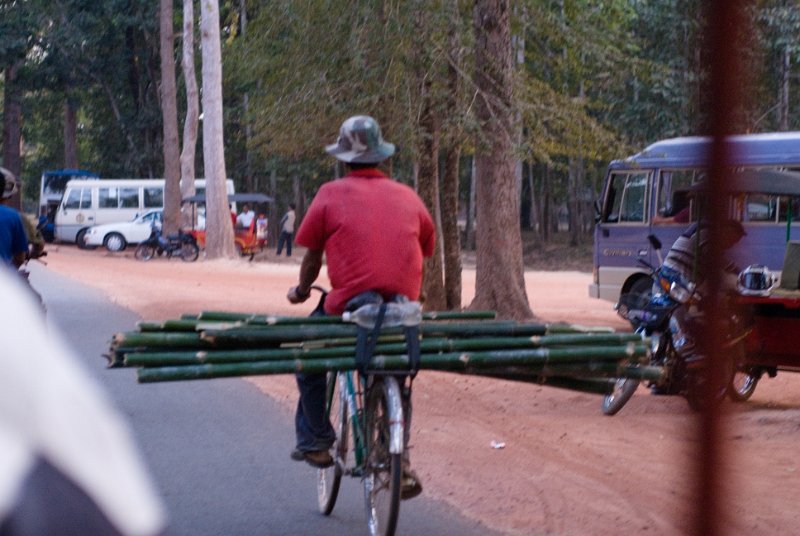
x,y
219,449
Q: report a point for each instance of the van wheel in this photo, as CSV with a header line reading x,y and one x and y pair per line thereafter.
x,y
114,242
80,240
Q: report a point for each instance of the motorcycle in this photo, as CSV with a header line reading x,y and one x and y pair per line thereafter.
x,y
669,317
181,244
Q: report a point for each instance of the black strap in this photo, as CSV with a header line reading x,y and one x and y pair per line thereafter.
x,y
366,341
412,346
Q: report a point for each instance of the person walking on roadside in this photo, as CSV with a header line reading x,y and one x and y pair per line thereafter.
x,y
287,231
13,240
374,233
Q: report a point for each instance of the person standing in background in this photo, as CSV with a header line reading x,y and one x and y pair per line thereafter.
x,y
287,231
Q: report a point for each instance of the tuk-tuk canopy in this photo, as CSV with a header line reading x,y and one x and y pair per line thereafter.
x,y
232,198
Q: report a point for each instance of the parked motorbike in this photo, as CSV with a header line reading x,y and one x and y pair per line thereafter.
x,y
669,318
182,244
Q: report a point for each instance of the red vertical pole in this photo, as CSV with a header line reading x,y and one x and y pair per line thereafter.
x,y
726,24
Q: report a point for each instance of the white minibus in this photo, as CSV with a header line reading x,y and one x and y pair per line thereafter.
x,y
93,202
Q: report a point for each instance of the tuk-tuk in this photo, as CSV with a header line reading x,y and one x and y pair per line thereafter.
x,y
771,304
249,240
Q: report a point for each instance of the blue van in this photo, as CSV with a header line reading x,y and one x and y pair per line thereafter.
x,y
649,193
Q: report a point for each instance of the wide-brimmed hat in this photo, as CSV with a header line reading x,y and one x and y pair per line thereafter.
x,y
360,142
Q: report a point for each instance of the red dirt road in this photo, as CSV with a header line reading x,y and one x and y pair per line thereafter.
x,y
566,469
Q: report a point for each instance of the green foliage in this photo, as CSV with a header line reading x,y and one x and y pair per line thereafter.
x,y
598,79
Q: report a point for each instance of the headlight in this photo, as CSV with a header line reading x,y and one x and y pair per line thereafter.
x,y
679,293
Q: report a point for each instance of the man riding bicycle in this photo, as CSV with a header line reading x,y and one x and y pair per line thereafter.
x,y
374,233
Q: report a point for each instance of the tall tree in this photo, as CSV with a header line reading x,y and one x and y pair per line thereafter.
x,y
192,108
169,112
451,156
500,282
427,151
219,227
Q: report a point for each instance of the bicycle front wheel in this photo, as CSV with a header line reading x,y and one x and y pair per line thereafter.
x,y
328,479
383,469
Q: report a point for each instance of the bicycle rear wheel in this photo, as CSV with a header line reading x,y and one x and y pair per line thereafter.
x,y
329,479
383,469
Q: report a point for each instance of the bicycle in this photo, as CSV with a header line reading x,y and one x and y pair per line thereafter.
x,y
370,412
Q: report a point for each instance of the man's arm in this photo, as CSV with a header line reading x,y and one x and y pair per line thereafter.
x,y
309,270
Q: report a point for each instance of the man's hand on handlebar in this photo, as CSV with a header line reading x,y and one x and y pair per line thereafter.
x,y
295,295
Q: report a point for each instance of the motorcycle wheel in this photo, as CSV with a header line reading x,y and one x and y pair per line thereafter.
x,y
697,395
743,385
622,392
189,252
145,252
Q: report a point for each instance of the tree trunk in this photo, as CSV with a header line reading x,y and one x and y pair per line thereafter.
x,y
500,283
190,124
219,227
432,278
573,200
469,228
70,135
783,100
452,156
248,128
274,217
450,233
12,129
546,217
534,205
169,113
428,151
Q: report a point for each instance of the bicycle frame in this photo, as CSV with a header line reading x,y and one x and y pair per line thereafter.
x,y
355,406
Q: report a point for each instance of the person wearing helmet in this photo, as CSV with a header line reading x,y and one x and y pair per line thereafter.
x,y
13,240
374,233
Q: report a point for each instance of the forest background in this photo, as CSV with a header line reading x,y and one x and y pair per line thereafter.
x,y
592,80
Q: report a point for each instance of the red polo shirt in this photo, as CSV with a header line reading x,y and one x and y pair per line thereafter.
x,y
374,231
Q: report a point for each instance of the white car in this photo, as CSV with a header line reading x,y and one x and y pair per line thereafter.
x,y
117,236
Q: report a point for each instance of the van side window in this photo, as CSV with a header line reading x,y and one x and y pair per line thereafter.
x,y
107,197
783,208
129,198
626,198
153,197
762,207
79,198
73,199
673,205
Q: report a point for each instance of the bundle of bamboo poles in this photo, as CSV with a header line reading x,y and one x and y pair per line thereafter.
x,y
220,344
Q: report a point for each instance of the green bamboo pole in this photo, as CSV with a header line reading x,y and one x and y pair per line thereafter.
x,y
583,362
149,326
602,386
576,328
274,319
253,337
155,359
179,339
